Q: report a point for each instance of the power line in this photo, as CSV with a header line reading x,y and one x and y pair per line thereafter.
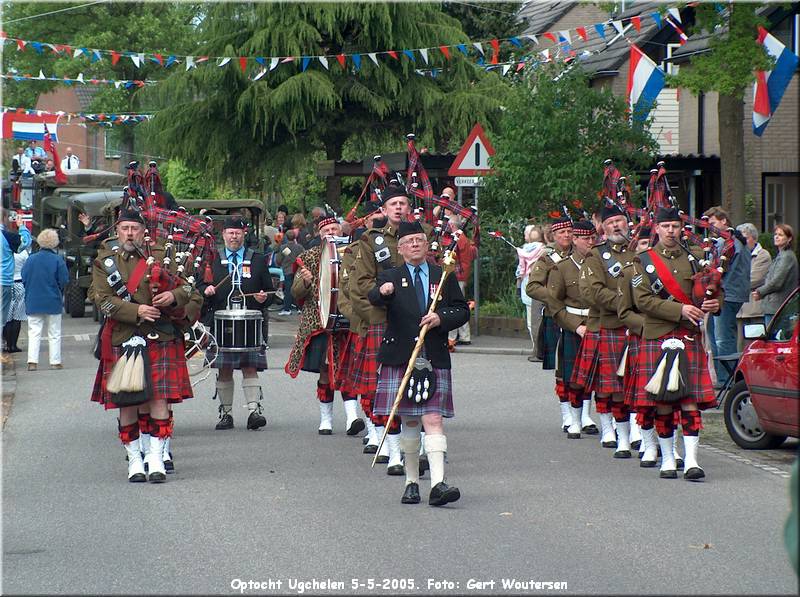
x,y
44,14
484,7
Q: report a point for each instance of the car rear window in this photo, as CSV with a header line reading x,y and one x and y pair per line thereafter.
x,y
785,321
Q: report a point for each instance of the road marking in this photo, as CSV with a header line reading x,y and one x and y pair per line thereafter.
x,y
784,474
81,337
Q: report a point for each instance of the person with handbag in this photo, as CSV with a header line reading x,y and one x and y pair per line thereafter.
x,y
406,292
142,361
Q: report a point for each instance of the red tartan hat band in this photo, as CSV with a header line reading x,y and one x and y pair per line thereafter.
x,y
561,223
326,221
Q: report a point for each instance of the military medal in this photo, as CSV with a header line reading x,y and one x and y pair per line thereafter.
x,y
404,283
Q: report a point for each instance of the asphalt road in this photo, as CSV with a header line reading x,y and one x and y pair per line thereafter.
x,y
284,506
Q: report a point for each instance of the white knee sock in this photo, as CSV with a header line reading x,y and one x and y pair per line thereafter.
x,y
436,446
225,395
409,445
252,392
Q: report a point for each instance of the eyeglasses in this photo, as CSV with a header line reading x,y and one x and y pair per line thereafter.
x,y
413,241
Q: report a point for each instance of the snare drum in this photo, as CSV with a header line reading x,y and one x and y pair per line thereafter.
x,y
238,330
329,263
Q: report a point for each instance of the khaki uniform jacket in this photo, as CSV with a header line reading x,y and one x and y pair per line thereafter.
x,y
628,314
562,284
662,316
537,278
344,302
599,287
183,313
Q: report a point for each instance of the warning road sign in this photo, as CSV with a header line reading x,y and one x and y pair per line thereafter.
x,y
473,157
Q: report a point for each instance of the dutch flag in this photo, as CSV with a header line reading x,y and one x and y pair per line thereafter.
x,y
645,82
770,85
29,127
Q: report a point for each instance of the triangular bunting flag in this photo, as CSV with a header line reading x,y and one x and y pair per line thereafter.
x,y
601,30
478,47
393,54
506,68
520,66
190,63
80,79
78,52
637,23
170,61
37,46
304,66
446,51
374,57
158,58
424,53
225,60
563,36
114,57
287,59
134,58
243,63
117,84
462,48
200,59
96,56
357,61
496,53
581,31
546,54
261,60
515,41
410,54
656,18
532,38
273,63
41,74
260,74
675,14
619,27
323,61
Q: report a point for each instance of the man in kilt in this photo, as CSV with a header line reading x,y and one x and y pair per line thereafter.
x,y
405,293
548,334
570,312
140,326
236,261
604,342
673,371
353,347
377,252
317,349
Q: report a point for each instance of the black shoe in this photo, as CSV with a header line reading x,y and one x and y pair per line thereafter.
x,y
138,478
534,359
382,459
442,494
590,430
679,463
670,474
622,454
255,421
611,444
156,477
371,449
423,465
225,422
14,349
636,445
356,427
647,463
325,431
564,428
463,342
396,470
169,466
365,440
694,474
573,435
411,494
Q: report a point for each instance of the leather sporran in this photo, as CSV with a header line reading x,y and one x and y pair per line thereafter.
x,y
422,383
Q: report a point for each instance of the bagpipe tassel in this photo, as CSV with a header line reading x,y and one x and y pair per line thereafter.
x,y
622,362
137,372
115,379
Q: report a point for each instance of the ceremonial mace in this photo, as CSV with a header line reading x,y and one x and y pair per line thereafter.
x,y
448,267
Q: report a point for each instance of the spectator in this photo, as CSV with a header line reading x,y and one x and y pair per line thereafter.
x,y
759,264
299,226
49,165
12,242
534,244
736,285
18,162
269,231
17,309
70,161
45,277
285,258
312,233
782,277
35,151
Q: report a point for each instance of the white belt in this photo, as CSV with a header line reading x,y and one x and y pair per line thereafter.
x,y
576,311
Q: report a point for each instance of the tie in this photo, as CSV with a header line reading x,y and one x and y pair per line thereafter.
x,y
234,261
419,289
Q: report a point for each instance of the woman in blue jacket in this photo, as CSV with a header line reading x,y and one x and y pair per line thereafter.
x,y
44,276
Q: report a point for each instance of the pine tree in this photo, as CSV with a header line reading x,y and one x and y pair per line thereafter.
x,y
218,119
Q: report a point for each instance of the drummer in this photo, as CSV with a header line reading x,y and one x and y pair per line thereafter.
x,y
238,262
316,347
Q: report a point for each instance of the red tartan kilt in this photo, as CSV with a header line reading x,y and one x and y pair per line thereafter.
x,y
365,364
699,386
585,369
612,345
344,373
168,374
631,370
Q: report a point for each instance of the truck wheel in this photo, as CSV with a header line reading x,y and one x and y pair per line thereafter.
x,y
75,299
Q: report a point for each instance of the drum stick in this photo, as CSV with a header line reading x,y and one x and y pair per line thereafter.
x,y
265,292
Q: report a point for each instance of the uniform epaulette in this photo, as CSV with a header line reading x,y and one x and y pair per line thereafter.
x,y
640,251
548,250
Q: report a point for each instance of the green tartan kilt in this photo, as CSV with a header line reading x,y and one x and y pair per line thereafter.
x,y
547,341
568,345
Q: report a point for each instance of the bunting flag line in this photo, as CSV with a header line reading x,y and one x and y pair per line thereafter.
x,y
127,83
140,59
62,117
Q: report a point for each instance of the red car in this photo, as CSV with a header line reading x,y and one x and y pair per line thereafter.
x,y
762,408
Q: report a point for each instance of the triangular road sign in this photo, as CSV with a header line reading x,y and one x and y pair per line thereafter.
x,y
473,157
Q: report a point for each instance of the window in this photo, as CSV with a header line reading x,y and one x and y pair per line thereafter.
x,y
111,144
773,204
667,65
783,325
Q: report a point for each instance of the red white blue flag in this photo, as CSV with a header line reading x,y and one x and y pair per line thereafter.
x,y
770,85
30,127
645,82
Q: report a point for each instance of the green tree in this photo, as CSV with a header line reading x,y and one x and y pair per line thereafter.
x,y
728,69
124,26
554,135
484,21
231,126
183,182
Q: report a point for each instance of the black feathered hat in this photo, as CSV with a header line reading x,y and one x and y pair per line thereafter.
x,y
668,214
130,215
610,210
234,222
406,228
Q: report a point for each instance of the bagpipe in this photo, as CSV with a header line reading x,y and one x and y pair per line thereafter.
x,y
377,180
